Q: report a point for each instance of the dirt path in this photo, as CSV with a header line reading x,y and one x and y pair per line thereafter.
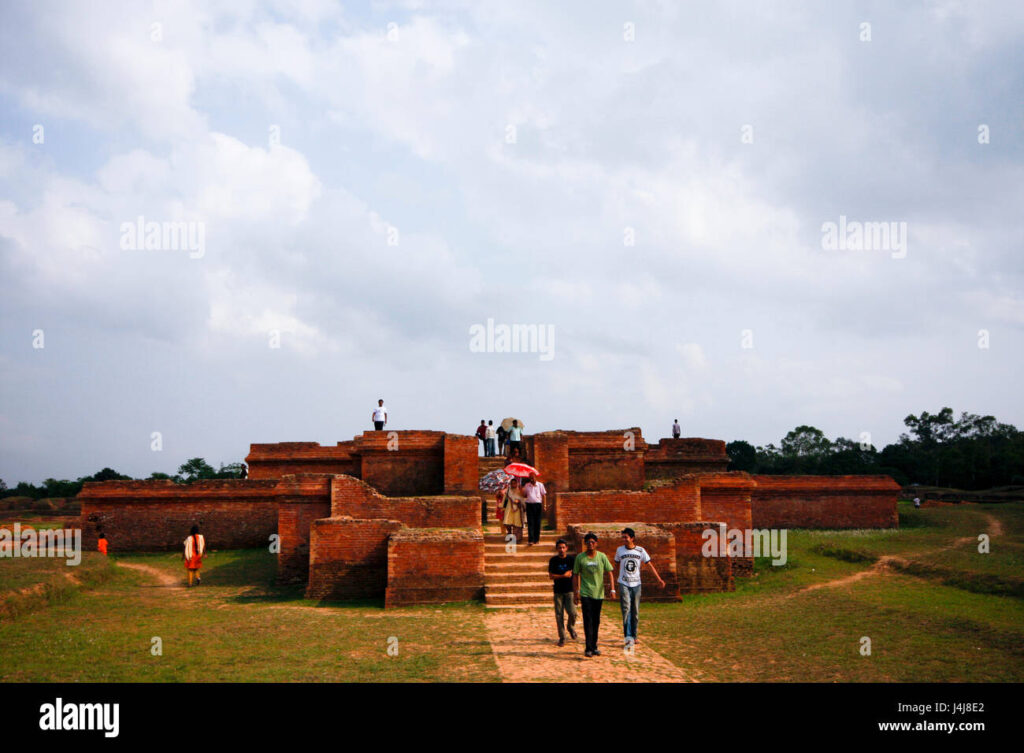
x,y
166,580
524,642
884,564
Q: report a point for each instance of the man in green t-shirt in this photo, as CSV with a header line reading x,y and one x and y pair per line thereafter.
x,y
588,573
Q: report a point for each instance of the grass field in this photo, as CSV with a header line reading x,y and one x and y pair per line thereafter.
x,y
939,612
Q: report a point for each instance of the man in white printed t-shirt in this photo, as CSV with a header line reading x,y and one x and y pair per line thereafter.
x,y
631,558
380,416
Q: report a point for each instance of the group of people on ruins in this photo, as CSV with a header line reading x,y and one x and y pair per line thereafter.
x,y
499,439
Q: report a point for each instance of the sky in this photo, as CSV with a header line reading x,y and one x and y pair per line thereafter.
x,y
360,187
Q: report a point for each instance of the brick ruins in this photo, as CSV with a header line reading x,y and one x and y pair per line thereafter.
x,y
399,514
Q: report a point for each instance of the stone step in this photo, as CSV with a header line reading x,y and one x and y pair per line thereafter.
x,y
527,586
513,566
538,598
516,576
498,557
538,605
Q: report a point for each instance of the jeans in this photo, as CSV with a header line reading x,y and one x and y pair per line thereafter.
x,y
564,604
489,448
378,425
591,620
629,600
533,511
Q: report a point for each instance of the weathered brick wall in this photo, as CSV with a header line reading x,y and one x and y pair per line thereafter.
x,y
550,454
270,461
658,542
695,572
825,502
726,497
678,501
461,465
357,499
600,460
675,457
434,565
348,558
402,463
157,515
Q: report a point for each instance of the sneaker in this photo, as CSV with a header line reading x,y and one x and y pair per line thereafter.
x,y
561,642
572,634
595,652
588,653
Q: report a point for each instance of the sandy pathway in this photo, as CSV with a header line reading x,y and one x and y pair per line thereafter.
x,y
166,580
524,642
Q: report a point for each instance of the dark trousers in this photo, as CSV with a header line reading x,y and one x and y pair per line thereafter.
x,y
378,425
533,512
591,620
513,445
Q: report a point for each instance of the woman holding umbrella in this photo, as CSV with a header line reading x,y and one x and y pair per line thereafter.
x,y
513,507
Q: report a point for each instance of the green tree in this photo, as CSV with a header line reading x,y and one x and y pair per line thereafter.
x,y
742,456
195,469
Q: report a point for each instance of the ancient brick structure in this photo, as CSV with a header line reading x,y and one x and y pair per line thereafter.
x,y
432,565
824,502
157,515
674,457
398,514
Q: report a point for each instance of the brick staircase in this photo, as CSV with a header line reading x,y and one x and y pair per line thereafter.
x,y
486,465
516,580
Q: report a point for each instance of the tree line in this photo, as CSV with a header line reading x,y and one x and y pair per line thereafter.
x,y
191,470
939,449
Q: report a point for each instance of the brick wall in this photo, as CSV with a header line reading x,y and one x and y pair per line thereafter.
x,y
357,499
695,572
157,515
402,463
825,502
461,465
348,558
726,497
675,457
434,565
678,501
270,461
599,460
658,542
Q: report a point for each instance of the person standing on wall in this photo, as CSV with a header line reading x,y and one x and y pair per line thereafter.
x,y
489,439
481,434
380,416
676,429
631,558
515,438
560,572
535,493
195,548
588,573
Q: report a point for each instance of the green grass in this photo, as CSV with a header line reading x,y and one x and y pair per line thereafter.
x,y
238,627
951,614
946,623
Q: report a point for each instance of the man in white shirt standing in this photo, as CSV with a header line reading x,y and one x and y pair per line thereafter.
x,y
535,493
631,558
380,416
676,429
490,437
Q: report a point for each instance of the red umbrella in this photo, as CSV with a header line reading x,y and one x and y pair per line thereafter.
x,y
520,469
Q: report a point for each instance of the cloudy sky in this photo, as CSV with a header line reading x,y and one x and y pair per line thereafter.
x,y
364,183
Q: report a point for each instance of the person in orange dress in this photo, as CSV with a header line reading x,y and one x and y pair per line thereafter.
x,y
101,543
195,548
